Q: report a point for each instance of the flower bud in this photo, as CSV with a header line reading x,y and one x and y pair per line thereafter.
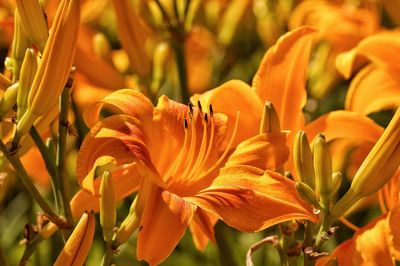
x,y
378,167
323,169
78,244
303,159
307,193
129,225
108,208
28,72
19,45
9,99
33,21
55,65
270,120
102,47
337,179
160,56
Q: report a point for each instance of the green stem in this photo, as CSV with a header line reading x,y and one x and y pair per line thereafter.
x,y
325,224
3,260
26,181
49,162
108,256
178,46
61,150
225,243
80,124
30,249
308,241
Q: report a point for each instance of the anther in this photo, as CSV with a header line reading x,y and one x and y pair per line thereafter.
x,y
206,118
199,105
211,110
185,124
190,108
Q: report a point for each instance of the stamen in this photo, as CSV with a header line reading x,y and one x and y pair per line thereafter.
x,y
182,154
212,168
206,117
190,105
382,201
210,108
199,105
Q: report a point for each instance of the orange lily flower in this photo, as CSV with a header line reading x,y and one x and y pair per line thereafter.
x,y
341,27
171,152
377,85
281,79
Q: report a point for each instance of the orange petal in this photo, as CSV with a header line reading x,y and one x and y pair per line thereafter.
x,y
126,101
394,218
344,124
202,228
266,151
135,37
165,219
126,182
281,77
374,242
119,137
373,89
345,254
241,98
371,48
371,245
248,199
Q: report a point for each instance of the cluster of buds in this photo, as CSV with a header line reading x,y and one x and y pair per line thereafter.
x,y
317,184
57,58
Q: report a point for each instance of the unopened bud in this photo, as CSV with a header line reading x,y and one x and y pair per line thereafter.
x,y
33,21
78,245
9,99
101,46
129,225
108,209
159,59
303,159
337,178
307,193
323,170
378,167
19,45
28,72
270,120
55,66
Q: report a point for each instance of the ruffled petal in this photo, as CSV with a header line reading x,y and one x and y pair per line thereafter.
x,y
373,89
119,140
202,228
344,124
346,254
250,199
281,77
241,99
265,151
126,181
381,49
165,219
126,101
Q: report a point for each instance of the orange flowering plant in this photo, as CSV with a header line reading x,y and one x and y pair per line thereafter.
x,y
197,132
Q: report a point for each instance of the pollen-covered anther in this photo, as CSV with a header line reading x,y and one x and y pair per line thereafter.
x,y
206,117
211,110
199,106
185,124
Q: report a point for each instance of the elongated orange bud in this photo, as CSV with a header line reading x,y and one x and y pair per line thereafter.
x,y
303,159
78,245
56,64
135,35
19,45
108,213
270,120
323,169
379,166
33,22
28,72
